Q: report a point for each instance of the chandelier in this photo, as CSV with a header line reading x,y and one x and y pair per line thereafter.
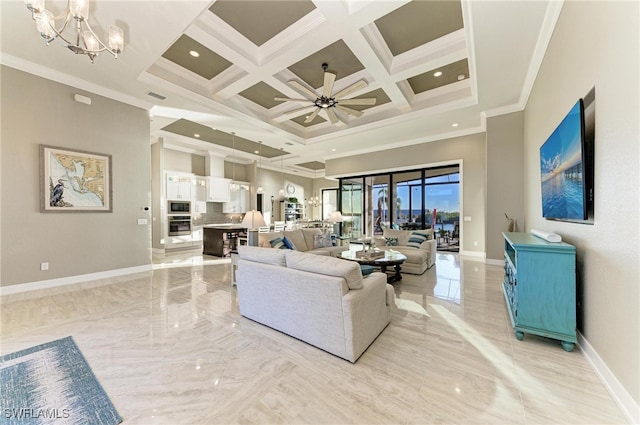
x,y
314,201
77,15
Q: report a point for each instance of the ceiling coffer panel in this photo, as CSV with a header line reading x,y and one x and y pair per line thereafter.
x,y
207,134
418,23
340,58
313,165
451,73
262,94
260,21
207,64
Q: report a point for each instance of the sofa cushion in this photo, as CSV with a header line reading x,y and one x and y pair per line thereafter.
x,y
297,239
264,239
329,266
310,236
274,257
416,239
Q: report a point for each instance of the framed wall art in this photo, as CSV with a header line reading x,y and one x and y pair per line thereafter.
x,y
74,181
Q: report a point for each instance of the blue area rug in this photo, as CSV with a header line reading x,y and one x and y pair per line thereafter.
x,y
52,384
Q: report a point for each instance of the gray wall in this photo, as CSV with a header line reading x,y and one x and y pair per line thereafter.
x,y
37,111
468,151
504,178
597,44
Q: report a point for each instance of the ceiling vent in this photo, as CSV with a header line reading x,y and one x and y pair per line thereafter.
x,y
156,95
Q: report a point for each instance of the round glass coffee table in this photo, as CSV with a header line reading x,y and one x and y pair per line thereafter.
x,y
391,258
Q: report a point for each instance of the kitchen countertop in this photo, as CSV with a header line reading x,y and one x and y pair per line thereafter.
x,y
225,226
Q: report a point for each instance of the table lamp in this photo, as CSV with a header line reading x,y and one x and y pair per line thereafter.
x,y
335,217
252,220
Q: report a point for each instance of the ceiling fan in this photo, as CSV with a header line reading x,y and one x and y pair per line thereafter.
x,y
326,102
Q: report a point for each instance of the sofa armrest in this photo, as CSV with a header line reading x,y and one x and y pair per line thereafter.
x,y
366,313
430,246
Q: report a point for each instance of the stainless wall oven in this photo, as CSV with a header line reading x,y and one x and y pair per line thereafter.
x,y
179,225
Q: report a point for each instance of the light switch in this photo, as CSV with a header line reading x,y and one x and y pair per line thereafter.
x,y
142,221
467,218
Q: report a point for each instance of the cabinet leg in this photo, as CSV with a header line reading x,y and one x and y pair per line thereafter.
x,y
520,335
568,346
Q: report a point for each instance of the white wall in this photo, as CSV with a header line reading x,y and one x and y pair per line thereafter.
x,y
597,44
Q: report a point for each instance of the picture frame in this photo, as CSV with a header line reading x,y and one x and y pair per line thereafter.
x,y
74,180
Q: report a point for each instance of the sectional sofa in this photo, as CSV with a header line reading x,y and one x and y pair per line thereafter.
x,y
321,300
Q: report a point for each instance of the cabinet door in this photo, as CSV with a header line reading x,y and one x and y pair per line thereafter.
x,y
218,189
200,190
179,187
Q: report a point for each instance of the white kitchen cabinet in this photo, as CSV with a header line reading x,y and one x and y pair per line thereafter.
x,y
239,199
179,186
218,189
201,189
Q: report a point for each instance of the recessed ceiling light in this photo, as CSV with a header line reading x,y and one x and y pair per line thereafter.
x,y
333,150
194,53
196,135
455,124
256,152
437,73
461,77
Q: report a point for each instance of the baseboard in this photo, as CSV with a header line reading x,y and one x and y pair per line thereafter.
x,y
627,404
475,254
157,250
494,262
52,283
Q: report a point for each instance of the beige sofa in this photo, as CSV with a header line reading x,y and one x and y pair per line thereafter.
x,y
420,257
321,300
304,240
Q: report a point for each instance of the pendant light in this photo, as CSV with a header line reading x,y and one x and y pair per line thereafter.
x,y
281,191
234,186
260,189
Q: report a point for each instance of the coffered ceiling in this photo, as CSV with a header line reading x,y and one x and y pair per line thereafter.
x,y
205,69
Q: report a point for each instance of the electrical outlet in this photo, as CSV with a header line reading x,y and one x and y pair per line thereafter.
x,y
475,243
44,266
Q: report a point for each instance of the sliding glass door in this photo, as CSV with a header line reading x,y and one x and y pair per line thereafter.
x,y
352,206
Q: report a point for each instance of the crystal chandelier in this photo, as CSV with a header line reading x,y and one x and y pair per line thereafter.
x,y
77,15
234,186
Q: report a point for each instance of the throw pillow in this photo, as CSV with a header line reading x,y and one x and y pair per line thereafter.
x,y
277,243
391,241
416,239
322,241
288,244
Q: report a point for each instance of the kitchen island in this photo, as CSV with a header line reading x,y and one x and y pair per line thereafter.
x,y
222,239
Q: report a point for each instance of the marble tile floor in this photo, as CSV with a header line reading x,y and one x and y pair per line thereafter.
x,y
169,347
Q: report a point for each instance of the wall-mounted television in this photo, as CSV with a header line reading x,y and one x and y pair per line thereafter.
x,y
566,166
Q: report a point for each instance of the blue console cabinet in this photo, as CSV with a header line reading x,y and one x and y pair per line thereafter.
x,y
540,287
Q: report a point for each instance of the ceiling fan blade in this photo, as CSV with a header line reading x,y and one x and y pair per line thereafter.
x,y
329,79
302,89
349,111
332,115
312,116
298,111
352,88
288,99
367,101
